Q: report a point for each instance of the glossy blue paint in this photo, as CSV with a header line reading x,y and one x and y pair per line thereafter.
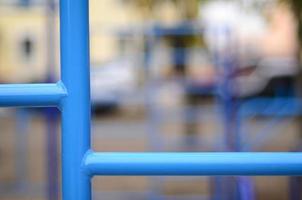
x,y
74,24
31,95
193,163
79,163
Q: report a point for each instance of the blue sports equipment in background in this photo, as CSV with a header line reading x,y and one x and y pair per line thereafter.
x,y
72,97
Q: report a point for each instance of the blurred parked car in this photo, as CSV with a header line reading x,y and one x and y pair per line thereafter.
x,y
111,81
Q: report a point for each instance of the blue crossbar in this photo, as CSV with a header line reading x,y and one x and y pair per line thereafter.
x,y
31,94
72,97
193,164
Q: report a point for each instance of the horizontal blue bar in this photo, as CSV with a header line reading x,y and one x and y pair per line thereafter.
x,y
193,164
277,106
31,95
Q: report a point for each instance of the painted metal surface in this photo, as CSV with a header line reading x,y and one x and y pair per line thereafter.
x,y
30,95
74,25
193,163
79,163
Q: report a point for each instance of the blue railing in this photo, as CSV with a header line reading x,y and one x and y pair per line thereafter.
x,y
72,97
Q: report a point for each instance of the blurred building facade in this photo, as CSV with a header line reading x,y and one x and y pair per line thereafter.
x,y
22,41
23,29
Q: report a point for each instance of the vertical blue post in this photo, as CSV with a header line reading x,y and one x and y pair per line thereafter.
x,y
74,19
51,114
22,130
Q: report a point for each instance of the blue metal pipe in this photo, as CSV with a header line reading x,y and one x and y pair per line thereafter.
x,y
31,95
52,119
74,23
22,126
193,163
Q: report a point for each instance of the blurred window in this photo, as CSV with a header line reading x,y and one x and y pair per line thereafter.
x,y
27,47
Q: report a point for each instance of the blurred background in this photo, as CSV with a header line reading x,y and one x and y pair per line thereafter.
x,y
166,75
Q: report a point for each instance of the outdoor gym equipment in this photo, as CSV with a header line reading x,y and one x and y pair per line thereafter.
x,y
80,163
